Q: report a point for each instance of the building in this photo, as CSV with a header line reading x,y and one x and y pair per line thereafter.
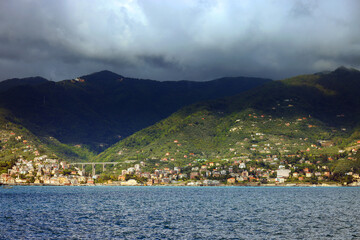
x,y
130,182
194,175
283,173
231,180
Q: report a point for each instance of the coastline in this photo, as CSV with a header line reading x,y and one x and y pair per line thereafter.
x,y
4,185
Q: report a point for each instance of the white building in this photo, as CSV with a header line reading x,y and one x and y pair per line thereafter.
x,y
283,173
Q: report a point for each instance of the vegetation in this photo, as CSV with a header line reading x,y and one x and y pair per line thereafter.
x,y
18,142
310,116
306,123
100,109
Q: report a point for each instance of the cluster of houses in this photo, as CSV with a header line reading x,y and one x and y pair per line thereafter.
x,y
44,170
47,171
238,172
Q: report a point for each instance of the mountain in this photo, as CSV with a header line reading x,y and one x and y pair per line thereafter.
x,y
16,82
97,110
17,142
308,124
305,116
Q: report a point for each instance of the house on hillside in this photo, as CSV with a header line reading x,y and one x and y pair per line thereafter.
x,y
194,175
308,174
283,173
231,180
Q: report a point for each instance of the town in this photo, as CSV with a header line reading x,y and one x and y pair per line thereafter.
x,y
43,170
252,161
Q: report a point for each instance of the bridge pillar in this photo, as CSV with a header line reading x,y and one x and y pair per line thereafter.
x,y
93,169
104,167
82,167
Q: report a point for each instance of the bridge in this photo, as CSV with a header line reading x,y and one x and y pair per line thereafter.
x,y
82,164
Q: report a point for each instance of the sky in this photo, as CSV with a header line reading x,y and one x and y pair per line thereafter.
x,y
177,40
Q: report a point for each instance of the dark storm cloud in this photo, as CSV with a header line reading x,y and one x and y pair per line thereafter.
x,y
303,9
172,40
158,61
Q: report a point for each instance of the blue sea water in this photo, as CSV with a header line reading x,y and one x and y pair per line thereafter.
x,y
28,212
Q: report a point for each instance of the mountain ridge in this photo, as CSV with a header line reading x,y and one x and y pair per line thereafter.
x,y
16,82
317,107
313,117
98,108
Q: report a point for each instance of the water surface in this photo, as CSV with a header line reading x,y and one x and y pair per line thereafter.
x,y
28,212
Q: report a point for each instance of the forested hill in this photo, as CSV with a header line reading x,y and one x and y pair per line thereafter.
x,y
100,109
280,118
15,82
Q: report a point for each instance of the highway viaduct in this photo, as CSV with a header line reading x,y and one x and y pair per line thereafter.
x,y
82,164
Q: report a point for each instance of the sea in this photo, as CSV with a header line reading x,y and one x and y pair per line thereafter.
x,y
111,212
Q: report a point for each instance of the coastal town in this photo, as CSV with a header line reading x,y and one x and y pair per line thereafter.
x,y
43,170
31,164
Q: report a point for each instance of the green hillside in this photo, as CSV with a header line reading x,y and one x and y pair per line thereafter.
x,y
305,122
310,115
16,142
99,109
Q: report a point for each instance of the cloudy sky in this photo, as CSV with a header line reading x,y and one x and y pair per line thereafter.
x,y
174,40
